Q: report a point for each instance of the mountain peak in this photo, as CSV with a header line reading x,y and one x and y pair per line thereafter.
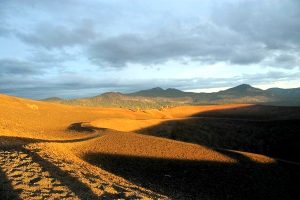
x,y
244,86
157,89
243,89
159,92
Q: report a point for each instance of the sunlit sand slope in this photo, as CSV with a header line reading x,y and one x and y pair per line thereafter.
x,y
54,151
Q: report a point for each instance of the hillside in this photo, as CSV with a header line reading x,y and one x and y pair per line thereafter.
x,y
159,92
159,98
119,100
72,152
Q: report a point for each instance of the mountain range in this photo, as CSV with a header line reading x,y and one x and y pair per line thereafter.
x,y
158,98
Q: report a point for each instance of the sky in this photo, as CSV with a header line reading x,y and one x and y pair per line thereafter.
x,y
76,48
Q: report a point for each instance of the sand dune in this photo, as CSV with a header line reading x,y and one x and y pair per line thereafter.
x,y
53,151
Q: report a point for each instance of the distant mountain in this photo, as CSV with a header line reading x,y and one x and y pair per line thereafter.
x,y
158,97
159,92
110,95
116,99
280,91
243,90
285,96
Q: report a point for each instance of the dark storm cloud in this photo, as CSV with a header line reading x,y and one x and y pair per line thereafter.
x,y
9,67
51,36
51,58
207,42
217,45
287,60
238,32
273,22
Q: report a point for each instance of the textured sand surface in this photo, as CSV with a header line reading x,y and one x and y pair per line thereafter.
x,y
46,148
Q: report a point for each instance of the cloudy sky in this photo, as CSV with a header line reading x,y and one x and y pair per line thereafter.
x,y
75,48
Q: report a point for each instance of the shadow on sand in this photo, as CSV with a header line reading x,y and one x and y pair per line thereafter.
x,y
6,190
268,130
17,145
175,178
186,179
200,179
83,127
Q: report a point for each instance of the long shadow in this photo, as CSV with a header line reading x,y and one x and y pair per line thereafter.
x,y
269,130
235,156
254,112
6,190
188,179
75,185
202,179
8,143
23,141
